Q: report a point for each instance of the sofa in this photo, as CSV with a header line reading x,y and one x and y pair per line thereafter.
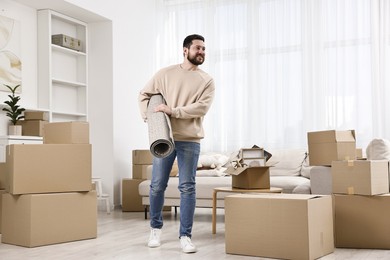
x,y
290,171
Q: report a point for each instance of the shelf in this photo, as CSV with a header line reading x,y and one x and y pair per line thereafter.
x,y
29,109
68,83
62,72
69,114
21,137
67,50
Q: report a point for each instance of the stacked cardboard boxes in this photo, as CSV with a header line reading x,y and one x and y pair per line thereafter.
x,y
141,160
285,226
48,195
2,188
360,190
131,200
361,202
33,123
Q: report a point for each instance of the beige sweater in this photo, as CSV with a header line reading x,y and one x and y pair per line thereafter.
x,y
188,93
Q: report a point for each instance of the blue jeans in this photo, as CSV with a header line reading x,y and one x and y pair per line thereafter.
x,y
187,154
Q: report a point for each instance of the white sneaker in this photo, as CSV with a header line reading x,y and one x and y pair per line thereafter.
x,y
186,245
154,238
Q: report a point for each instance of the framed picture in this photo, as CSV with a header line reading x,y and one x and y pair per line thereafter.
x,y
10,62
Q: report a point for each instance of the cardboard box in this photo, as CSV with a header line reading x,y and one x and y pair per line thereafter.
x,y
32,127
250,177
32,220
140,171
131,200
332,145
66,41
41,168
3,170
1,206
282,226
142,157
360,177
36,115
66,133
359,153
362,221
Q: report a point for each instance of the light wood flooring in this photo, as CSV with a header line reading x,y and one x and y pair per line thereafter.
x,y
123,235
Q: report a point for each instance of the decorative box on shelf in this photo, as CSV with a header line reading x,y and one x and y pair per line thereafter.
x,y
66,41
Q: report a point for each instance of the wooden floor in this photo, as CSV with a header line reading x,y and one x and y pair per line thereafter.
x,y
123,235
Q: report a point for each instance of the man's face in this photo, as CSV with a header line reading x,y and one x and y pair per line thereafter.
x,y
196,53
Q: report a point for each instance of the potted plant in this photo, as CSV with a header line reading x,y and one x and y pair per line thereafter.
x,y
14,111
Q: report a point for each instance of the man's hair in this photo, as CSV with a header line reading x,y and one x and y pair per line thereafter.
x,y
188,40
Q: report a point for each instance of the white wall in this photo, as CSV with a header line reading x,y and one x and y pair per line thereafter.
x,y
100,102
133,44
28,55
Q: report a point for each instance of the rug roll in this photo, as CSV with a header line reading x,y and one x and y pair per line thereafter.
x,y
160,132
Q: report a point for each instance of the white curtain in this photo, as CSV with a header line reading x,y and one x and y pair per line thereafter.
x,y
286,67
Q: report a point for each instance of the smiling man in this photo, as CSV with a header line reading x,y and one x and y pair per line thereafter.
x,y
188,92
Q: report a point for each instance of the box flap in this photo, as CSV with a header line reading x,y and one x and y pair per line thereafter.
x,y
238,170
280,196
331,136
235,170
345,136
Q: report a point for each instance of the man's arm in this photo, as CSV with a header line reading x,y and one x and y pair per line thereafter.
x,y
198,108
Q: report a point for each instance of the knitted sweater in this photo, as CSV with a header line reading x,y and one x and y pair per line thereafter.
x,y
189,94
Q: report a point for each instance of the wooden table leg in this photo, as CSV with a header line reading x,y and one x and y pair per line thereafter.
x,y
214,214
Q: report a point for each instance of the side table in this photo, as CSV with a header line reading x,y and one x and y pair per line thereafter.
x,y
235,190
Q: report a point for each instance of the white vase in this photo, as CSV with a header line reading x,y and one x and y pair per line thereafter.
x,y
15,130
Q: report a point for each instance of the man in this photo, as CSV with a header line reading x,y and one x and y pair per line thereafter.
x,y
188,92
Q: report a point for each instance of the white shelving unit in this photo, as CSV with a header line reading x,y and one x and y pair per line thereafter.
x,y
62,72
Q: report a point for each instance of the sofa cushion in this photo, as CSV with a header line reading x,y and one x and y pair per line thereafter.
x,y
378,149
288,183
288,162
302,189
204,186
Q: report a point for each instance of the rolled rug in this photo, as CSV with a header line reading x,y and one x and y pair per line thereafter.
x,y
160,132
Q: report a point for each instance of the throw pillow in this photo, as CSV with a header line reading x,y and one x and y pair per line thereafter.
x,y
378,149
212,161
288,162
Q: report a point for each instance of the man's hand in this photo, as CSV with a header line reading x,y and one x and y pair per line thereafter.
x,y
163,108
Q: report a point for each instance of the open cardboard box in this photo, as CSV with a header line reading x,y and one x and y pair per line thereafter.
x,y
251,170
246,177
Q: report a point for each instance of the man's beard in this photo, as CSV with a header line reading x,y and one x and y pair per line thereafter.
x,y
194,59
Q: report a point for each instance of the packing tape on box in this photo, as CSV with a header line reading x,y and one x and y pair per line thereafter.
x,y
160,132
351,191
350,163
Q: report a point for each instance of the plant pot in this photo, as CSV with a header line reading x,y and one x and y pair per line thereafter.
x,y
15,130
